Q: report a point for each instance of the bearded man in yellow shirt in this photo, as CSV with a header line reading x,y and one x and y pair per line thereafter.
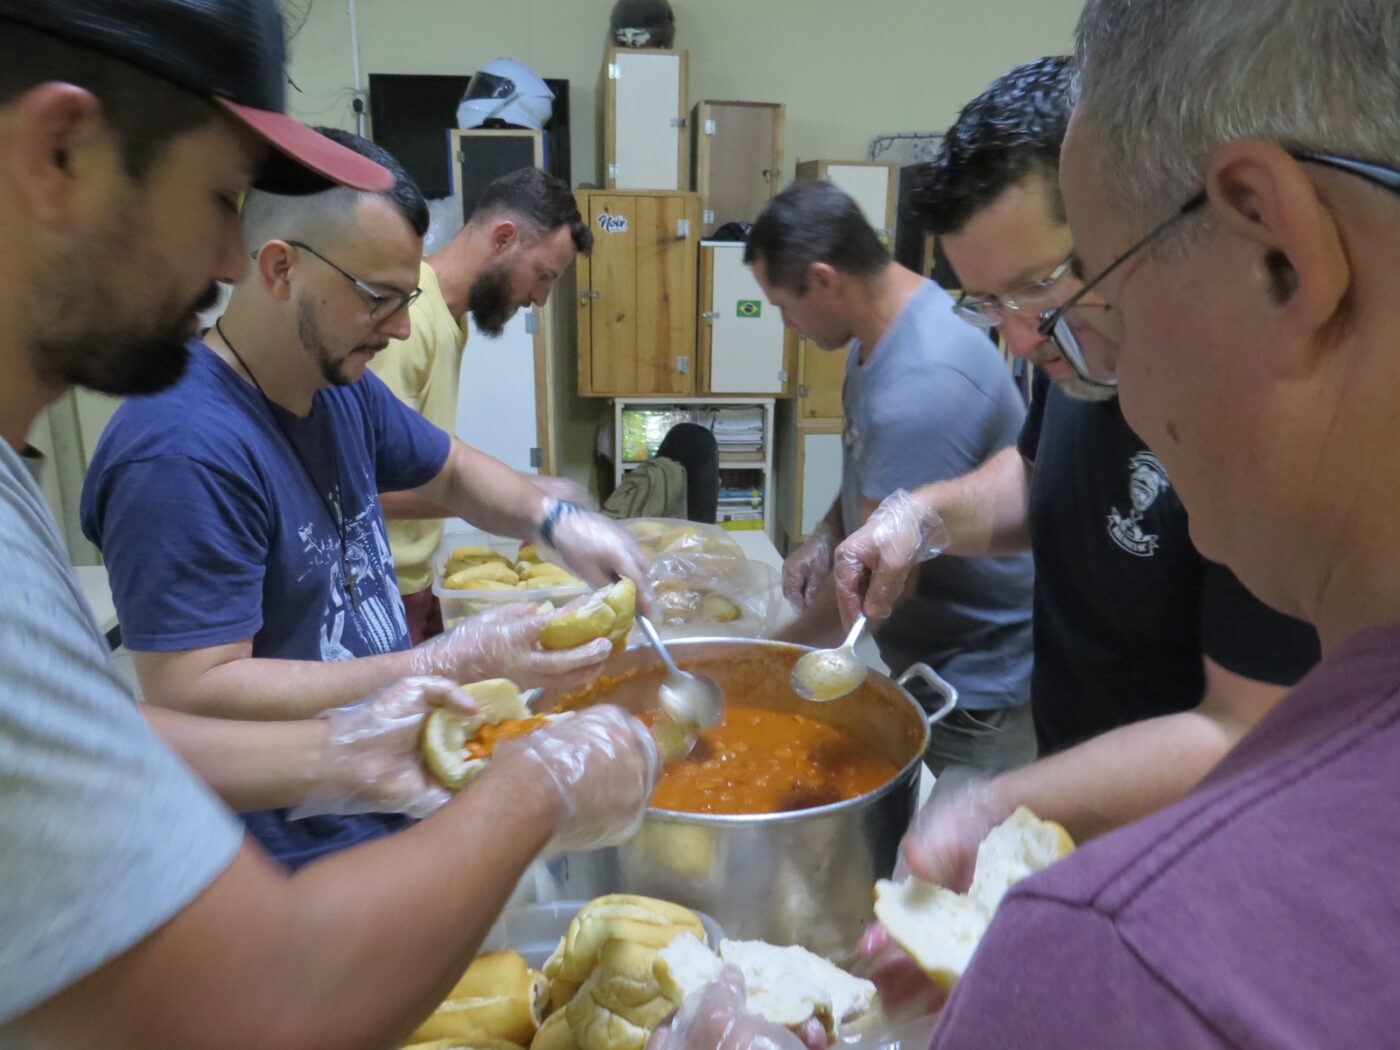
x,y
525,232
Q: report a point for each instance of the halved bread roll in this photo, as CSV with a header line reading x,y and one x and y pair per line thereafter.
x,y
940,929
456,747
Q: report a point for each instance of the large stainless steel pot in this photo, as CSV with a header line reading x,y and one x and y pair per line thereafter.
x,y
789,878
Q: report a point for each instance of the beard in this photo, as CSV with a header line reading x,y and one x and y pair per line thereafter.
x,y
95,335
330,364
489,300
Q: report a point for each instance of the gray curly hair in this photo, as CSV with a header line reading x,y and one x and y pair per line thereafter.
x,y
1164,83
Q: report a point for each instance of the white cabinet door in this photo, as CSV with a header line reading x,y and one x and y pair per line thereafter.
x,y
869,186
649,93
746,333
496,394
821,477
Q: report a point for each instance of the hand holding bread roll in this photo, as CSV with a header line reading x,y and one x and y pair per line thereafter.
x,y
504,642
369,762
714,1017
603,765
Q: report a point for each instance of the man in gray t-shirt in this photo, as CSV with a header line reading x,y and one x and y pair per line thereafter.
x,y
926,398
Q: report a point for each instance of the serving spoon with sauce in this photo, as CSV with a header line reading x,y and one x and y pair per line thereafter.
x,y
830,674
689,702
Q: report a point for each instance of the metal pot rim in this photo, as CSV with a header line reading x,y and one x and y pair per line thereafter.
x,y
676,816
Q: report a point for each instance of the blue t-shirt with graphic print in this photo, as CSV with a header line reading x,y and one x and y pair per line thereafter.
x,y
202,501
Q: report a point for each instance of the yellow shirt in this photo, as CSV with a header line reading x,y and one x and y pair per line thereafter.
x,y
422,372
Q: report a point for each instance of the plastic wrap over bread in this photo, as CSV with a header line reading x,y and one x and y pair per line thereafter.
x,y
704,585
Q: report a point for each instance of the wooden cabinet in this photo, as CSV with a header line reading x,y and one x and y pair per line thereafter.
x,y
645,144
820,376
744,348
738,159
874,185
637,293
809,472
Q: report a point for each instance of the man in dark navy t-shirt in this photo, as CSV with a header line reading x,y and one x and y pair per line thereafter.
x,y
238,511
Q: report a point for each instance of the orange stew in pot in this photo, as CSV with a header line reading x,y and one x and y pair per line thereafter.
x,y
759,761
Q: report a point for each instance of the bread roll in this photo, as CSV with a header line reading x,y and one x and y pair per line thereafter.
x,y
940,929
555,1033
498,998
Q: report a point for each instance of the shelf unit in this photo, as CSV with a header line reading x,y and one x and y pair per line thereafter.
x,y
639,424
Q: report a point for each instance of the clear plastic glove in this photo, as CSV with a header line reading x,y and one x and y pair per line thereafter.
x,y
941,843
600,550
370,761
902,532
560,488
504,642
715,1018
805,569
905,990
604,765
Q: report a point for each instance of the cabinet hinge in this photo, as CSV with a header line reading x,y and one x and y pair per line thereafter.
x,y
782,375
711,315
682,229
709,127
612,171
678,122
613,72
536,458
802,390
707,216
682,366
532,323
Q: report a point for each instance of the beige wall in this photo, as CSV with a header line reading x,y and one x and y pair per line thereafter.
x,y
847,71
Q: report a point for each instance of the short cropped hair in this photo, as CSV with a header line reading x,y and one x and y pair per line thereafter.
x,y
146,112
330,214
1011,130
537,199
1165,83
813,222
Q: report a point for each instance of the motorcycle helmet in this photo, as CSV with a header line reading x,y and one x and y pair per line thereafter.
x,y
643,23
505,91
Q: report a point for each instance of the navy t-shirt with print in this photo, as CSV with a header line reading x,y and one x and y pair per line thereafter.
x,y
1125,606
212,533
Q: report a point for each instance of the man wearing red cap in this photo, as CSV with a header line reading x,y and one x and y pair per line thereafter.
x,y
133,912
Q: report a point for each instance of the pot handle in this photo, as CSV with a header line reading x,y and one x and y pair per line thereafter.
x,y
937,683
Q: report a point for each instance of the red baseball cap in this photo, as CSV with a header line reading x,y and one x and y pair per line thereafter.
x,y
231,50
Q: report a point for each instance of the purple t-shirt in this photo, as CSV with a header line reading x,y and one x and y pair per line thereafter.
x,y
1263,910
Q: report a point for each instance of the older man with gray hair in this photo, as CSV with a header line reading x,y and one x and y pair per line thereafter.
x,y
1232,177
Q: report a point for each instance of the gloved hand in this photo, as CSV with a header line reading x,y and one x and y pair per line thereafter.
x,y
905,990
902,532
806,568
504,642
604,766
559,488
370,761
597,548
941,843
715,1018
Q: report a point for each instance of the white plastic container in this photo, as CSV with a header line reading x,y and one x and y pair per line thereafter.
x,y
458,605
534,930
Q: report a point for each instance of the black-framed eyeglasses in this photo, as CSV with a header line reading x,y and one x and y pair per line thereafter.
x,y
1054,323
382,307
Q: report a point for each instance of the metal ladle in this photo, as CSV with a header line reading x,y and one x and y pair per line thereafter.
x,y
689,702
830,674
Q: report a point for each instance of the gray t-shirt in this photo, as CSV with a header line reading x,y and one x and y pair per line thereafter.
x,y
104,833
935,401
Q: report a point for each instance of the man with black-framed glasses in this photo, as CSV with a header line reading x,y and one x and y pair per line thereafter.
x,y
1251,328
1150,661
239,513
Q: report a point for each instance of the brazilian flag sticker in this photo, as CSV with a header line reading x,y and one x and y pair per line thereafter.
x,y
750,307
